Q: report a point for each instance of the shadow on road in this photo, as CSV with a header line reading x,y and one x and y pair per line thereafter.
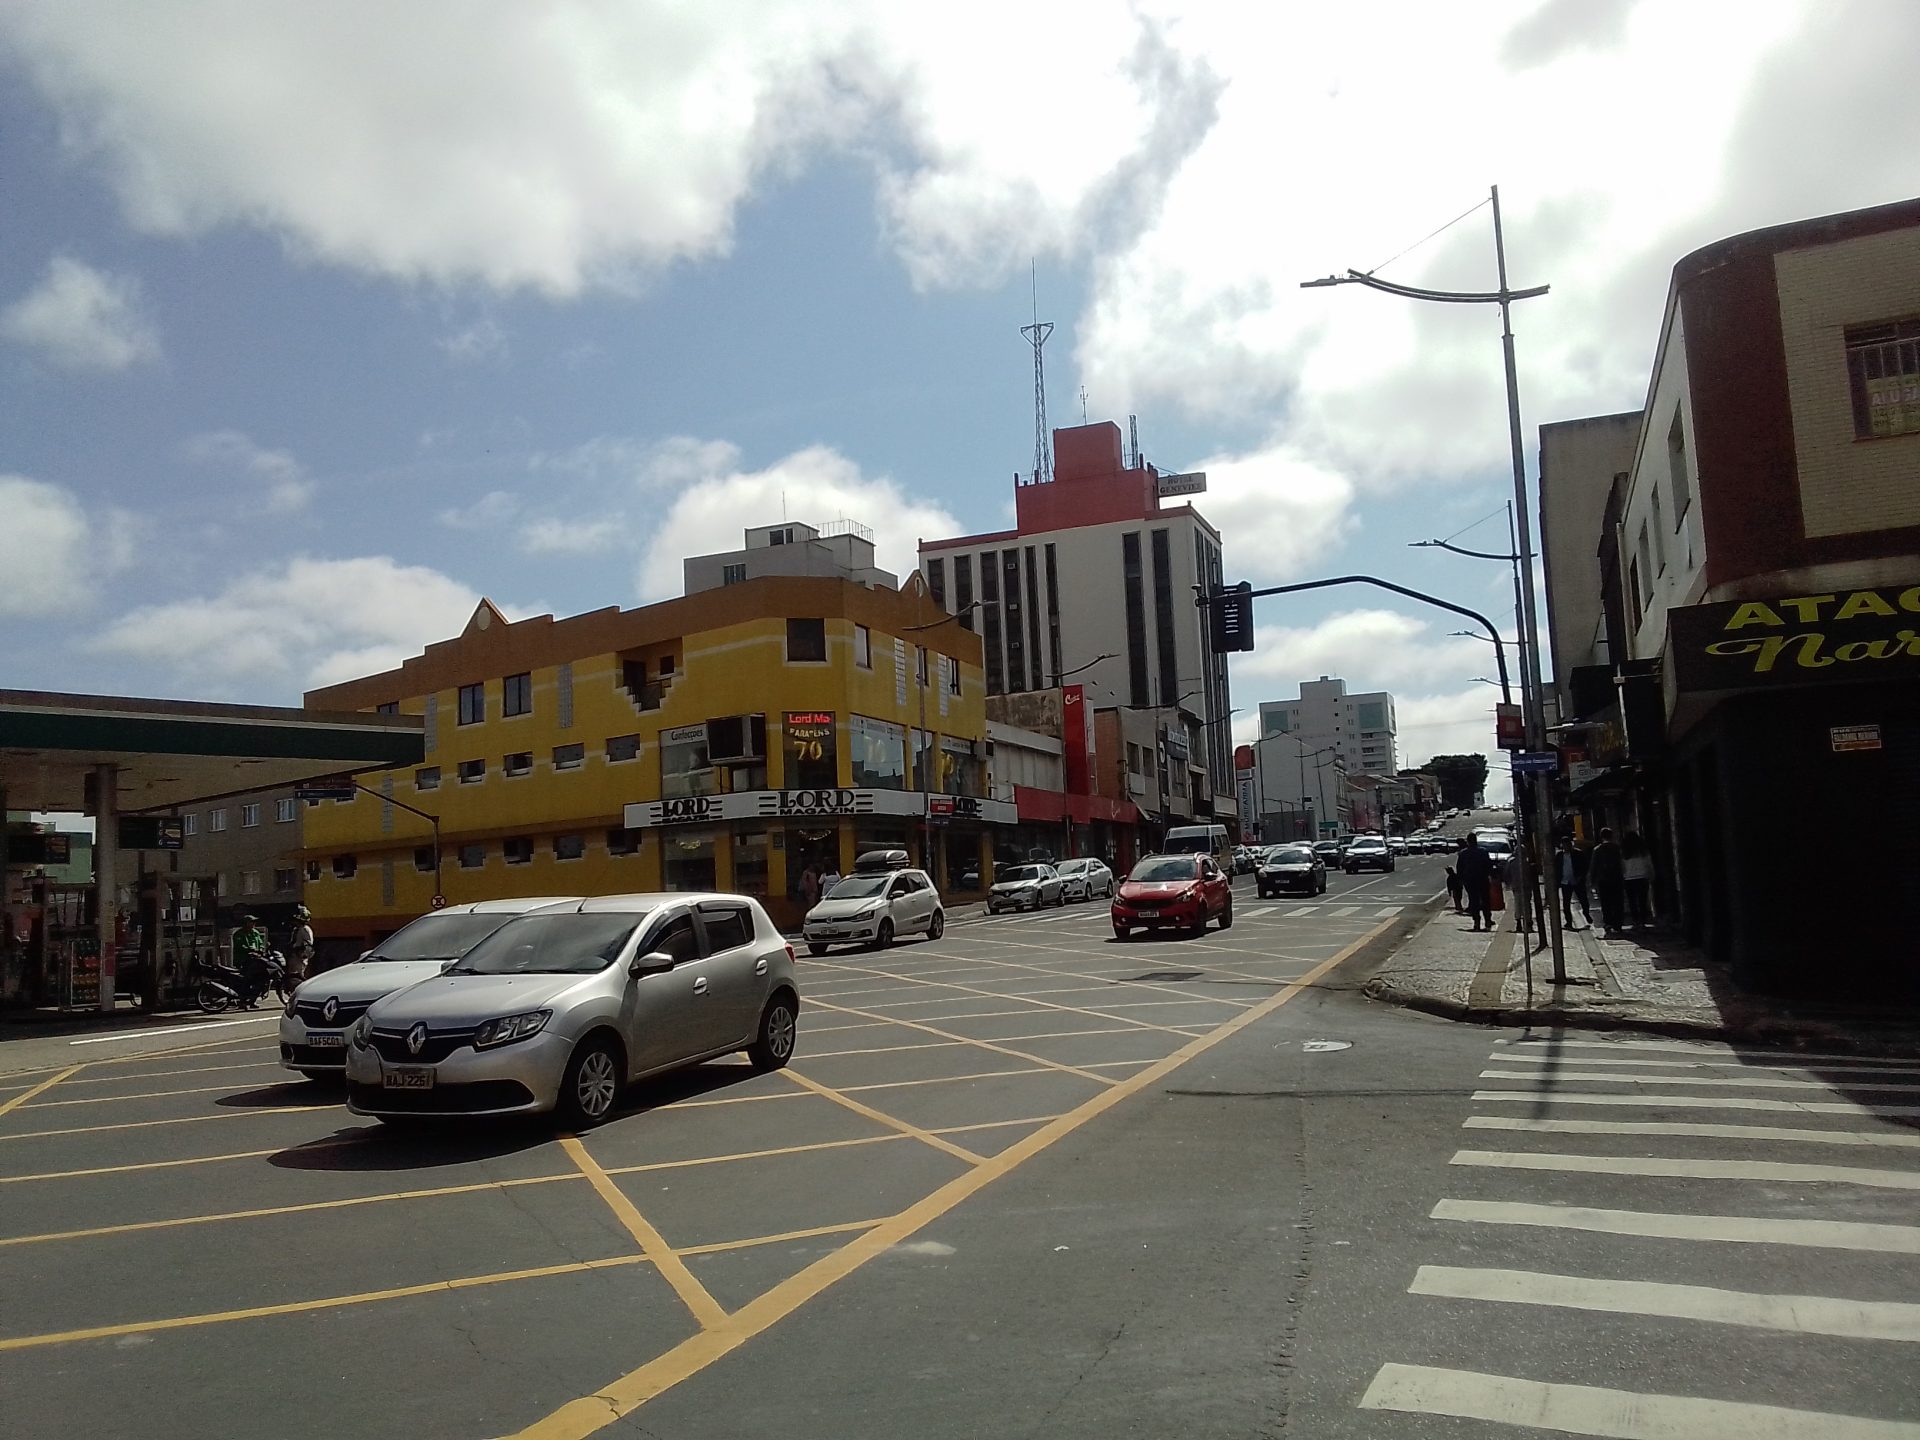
x,y
373,1146
288,1092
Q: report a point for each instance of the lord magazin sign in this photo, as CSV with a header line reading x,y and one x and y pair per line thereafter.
x,y
1797,640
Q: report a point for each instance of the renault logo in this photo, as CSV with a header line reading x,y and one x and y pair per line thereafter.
x,y
417,1039
330,1011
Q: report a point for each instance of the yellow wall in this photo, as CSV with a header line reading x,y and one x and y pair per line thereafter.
x,y
732,670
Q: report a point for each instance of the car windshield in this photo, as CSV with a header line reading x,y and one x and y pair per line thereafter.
x,y
1164,867
1018,872
438,937
1290,855
568,944
1369,845
1071,867
856,887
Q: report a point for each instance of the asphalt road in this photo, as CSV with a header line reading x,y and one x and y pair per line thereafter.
x,y
1024,1181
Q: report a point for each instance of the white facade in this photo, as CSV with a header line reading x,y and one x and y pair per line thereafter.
x,y
1360,729
842,549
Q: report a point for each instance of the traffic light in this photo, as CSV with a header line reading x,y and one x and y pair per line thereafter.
x,y
1230,618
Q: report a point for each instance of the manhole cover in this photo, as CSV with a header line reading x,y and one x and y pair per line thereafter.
x,y
1315,1047
1164,976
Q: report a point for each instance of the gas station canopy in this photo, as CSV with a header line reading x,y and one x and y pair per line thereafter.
x,y
171,752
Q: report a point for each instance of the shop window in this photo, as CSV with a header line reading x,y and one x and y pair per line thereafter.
x,y
686,764
218,820
879,753
961,771
863,647
344,867
423,859
812,753
516,850
473,704
811,854
517,694
622,747
472,772
749,865
249,816
687,861
569,847
806,641
190,824
569,757
622,841
427,778
472,857
1883,373
285,880
520,763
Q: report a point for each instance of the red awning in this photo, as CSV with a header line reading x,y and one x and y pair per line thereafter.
x,y
1051,807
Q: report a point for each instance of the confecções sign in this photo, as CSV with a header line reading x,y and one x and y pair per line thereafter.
x,y
1796,640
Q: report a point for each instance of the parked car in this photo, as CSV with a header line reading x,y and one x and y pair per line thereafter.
x,y
1174,891
1329,852
883,899
1369,852
558,1010
1084,879
1397,844
1025,887
314,1024
1290,869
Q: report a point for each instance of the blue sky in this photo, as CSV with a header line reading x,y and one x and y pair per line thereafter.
x,y
318,323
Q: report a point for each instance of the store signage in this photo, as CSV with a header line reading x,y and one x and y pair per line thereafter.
x,y
39,848
1854,737
1536,762
1510,727
1194,483
954,807
151,832
684,734
1797,640
803,805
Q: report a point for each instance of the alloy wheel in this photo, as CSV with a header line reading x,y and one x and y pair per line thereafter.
x,y
594,1087
780,1032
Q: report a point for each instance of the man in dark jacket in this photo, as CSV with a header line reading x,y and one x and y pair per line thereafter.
x,y
1608,876
1476,876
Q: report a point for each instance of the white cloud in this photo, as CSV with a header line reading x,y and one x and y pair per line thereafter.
x,y
1279,512
496,507
550,536
310,622
287,487
482,342
50,549
81,318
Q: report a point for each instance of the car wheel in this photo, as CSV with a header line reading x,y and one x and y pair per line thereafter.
x,y
883,937
772,1047
814,947
1226,915
1121,932
937,926
590,1085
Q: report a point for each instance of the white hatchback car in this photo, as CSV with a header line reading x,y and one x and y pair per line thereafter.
x,y
1085,879
875,905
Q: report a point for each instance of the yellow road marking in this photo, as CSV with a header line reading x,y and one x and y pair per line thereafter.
x,y
146,1095
652,1244
1067,1034
176,1120
979,1044
877,1050
585,1416
750,1155
198,1070
976,992
142,1165
948,1079
844,1227
1081,974
880,1117
45,1085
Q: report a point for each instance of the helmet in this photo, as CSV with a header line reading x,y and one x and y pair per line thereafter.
x,y
300,912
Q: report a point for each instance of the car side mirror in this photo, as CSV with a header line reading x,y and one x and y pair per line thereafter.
x,y
652,963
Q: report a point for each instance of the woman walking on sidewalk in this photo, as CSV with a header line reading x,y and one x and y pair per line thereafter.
x,y
1476,880
1636,867
1607,872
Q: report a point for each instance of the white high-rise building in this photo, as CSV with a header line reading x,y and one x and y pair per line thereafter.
x,y
1359,729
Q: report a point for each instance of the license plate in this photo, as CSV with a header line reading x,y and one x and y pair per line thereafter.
x,y
325,1042
1148,914
412,1079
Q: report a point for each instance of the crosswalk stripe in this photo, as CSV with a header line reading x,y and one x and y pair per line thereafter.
x,y
1685,1047
1619,1414
1742,1229
1797,1314
1727,1082
1664,1167
1698,1102
1345,910
1900,1139
1306,910
1508,1057
1263,910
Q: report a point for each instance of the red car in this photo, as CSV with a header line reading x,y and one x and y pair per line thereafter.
x,y
1179,891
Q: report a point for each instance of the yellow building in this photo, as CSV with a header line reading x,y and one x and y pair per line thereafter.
x,y
748,738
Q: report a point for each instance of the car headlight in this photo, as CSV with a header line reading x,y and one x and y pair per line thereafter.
x,y
509,1028
287,1009
361,1035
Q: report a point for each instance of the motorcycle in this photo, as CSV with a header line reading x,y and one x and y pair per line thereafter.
x,y
223,985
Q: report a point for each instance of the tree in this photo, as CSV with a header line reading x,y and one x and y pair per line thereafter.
x,y
1463,778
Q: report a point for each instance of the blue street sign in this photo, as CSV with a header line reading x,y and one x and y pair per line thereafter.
x,y
1536,762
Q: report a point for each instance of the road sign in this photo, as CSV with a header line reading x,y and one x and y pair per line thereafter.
x,y
439,902
326,787
1536,762
1510,727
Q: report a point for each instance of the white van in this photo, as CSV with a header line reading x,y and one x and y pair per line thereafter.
x,y
1201,840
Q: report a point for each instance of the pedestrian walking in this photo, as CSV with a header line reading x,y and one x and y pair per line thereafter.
x,y
1607,873
1570,872
1476,879
300,944
1636,866
1455,890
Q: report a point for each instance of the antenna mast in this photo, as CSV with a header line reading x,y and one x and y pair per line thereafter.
x,y
1036,335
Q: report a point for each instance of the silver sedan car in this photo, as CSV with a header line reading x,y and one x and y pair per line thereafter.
x,y
560,1009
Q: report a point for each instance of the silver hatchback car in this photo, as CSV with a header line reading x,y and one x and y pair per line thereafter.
x,y
558,1010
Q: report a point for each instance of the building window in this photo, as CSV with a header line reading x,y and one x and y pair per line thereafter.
x,y
516,850
423,859
1033,622
806,641
879,753
1016,623
473,704
218,821
776,537
472,772
387,707
1883,371
344,866
313,871
284,880
953,675
249,816
1633,590
666,666
686,762
990,624
472,857
963,589
863,647
569,757
569,847
1373,714
1136,619
1659,535
1682,483
1053,613
622,747
1644,562
284,811
427,778
733,574
190,824
249,882
622,841
1163,618
920,666
937,582
520,763
517,695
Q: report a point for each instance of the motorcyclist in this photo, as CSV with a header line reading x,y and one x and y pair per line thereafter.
x,y
250,957
300,945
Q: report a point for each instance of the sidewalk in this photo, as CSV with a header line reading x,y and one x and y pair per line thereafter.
x,y
1649,981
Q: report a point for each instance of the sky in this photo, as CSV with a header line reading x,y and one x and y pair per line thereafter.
x,y
319,322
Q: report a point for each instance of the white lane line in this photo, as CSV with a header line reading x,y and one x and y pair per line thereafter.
x,y
1726,1082
1686,1047
1508,1057
1263,910
1699,1102
179,1029
1737,1229
1345,910
1677,1169
1902,1139
1796,1314
1619,1414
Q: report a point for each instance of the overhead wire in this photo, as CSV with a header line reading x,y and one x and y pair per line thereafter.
x,y
1424,238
